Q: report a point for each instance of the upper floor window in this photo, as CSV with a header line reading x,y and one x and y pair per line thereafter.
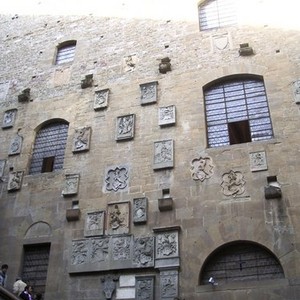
x,y
237,111
49,148
65,52
217,13
241,261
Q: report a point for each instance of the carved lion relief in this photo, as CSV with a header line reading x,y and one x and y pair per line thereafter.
x,y
116,178
201,168
233,183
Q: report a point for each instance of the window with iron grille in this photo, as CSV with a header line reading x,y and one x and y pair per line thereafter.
x,y
49,148
65,52
242,261
237,112
217,13
35,266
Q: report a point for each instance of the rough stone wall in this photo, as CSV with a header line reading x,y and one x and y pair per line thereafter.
x,y
208,219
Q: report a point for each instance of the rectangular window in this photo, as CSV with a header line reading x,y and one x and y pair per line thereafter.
x,y
48,163
239,132
65,52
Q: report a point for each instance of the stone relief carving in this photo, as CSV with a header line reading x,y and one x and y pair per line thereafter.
x,y
129,63
71,185
15,181
168,284
167,244
109,285
149,92
16,145
116,178
4,86
99,250
121,247
81,140
101,99
233,183
80,252
143,252
258,161
144,288
140,206
220,41
296,91
118,218
9,118
94,223
167,115
125,127
2,167
201,168
163,154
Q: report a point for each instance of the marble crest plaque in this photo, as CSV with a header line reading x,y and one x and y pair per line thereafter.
x,y
149,92
9,118
125,127
94,223
15,181
81,141
258,161
233,183
101,99
201,168
169,284
2,167
116,178
167,115
71,185
167,244
16,145
144,288
4,86
163,154
296,91
143,252
129,63
118,218
140,206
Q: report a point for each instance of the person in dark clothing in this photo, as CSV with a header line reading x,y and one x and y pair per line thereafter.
x,y
3,275
27,293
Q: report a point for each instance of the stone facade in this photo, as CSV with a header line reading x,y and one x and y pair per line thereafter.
x,y
125,153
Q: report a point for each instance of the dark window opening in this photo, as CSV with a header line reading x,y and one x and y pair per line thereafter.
x,y
35,266
48,163
239,132
240,262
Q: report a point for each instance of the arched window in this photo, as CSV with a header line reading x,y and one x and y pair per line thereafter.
x,y
49,148
237,111
240,261
217,13
65,52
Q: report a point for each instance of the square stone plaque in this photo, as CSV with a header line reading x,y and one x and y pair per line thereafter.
x,y
101,99
167,115
140,206
94,223
9,118
163,154
258,161
2,167
118,214
71,185
125,127
149,92
81,140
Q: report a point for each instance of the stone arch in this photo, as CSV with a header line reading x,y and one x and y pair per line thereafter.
x,y
240,261
39,229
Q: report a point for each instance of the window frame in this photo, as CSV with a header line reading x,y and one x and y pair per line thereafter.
x,y
69,47
212,14
258,117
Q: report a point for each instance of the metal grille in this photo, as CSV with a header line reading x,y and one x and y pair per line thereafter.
x,y
233,101
241,262
50,141
35,266
65,53
217,13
